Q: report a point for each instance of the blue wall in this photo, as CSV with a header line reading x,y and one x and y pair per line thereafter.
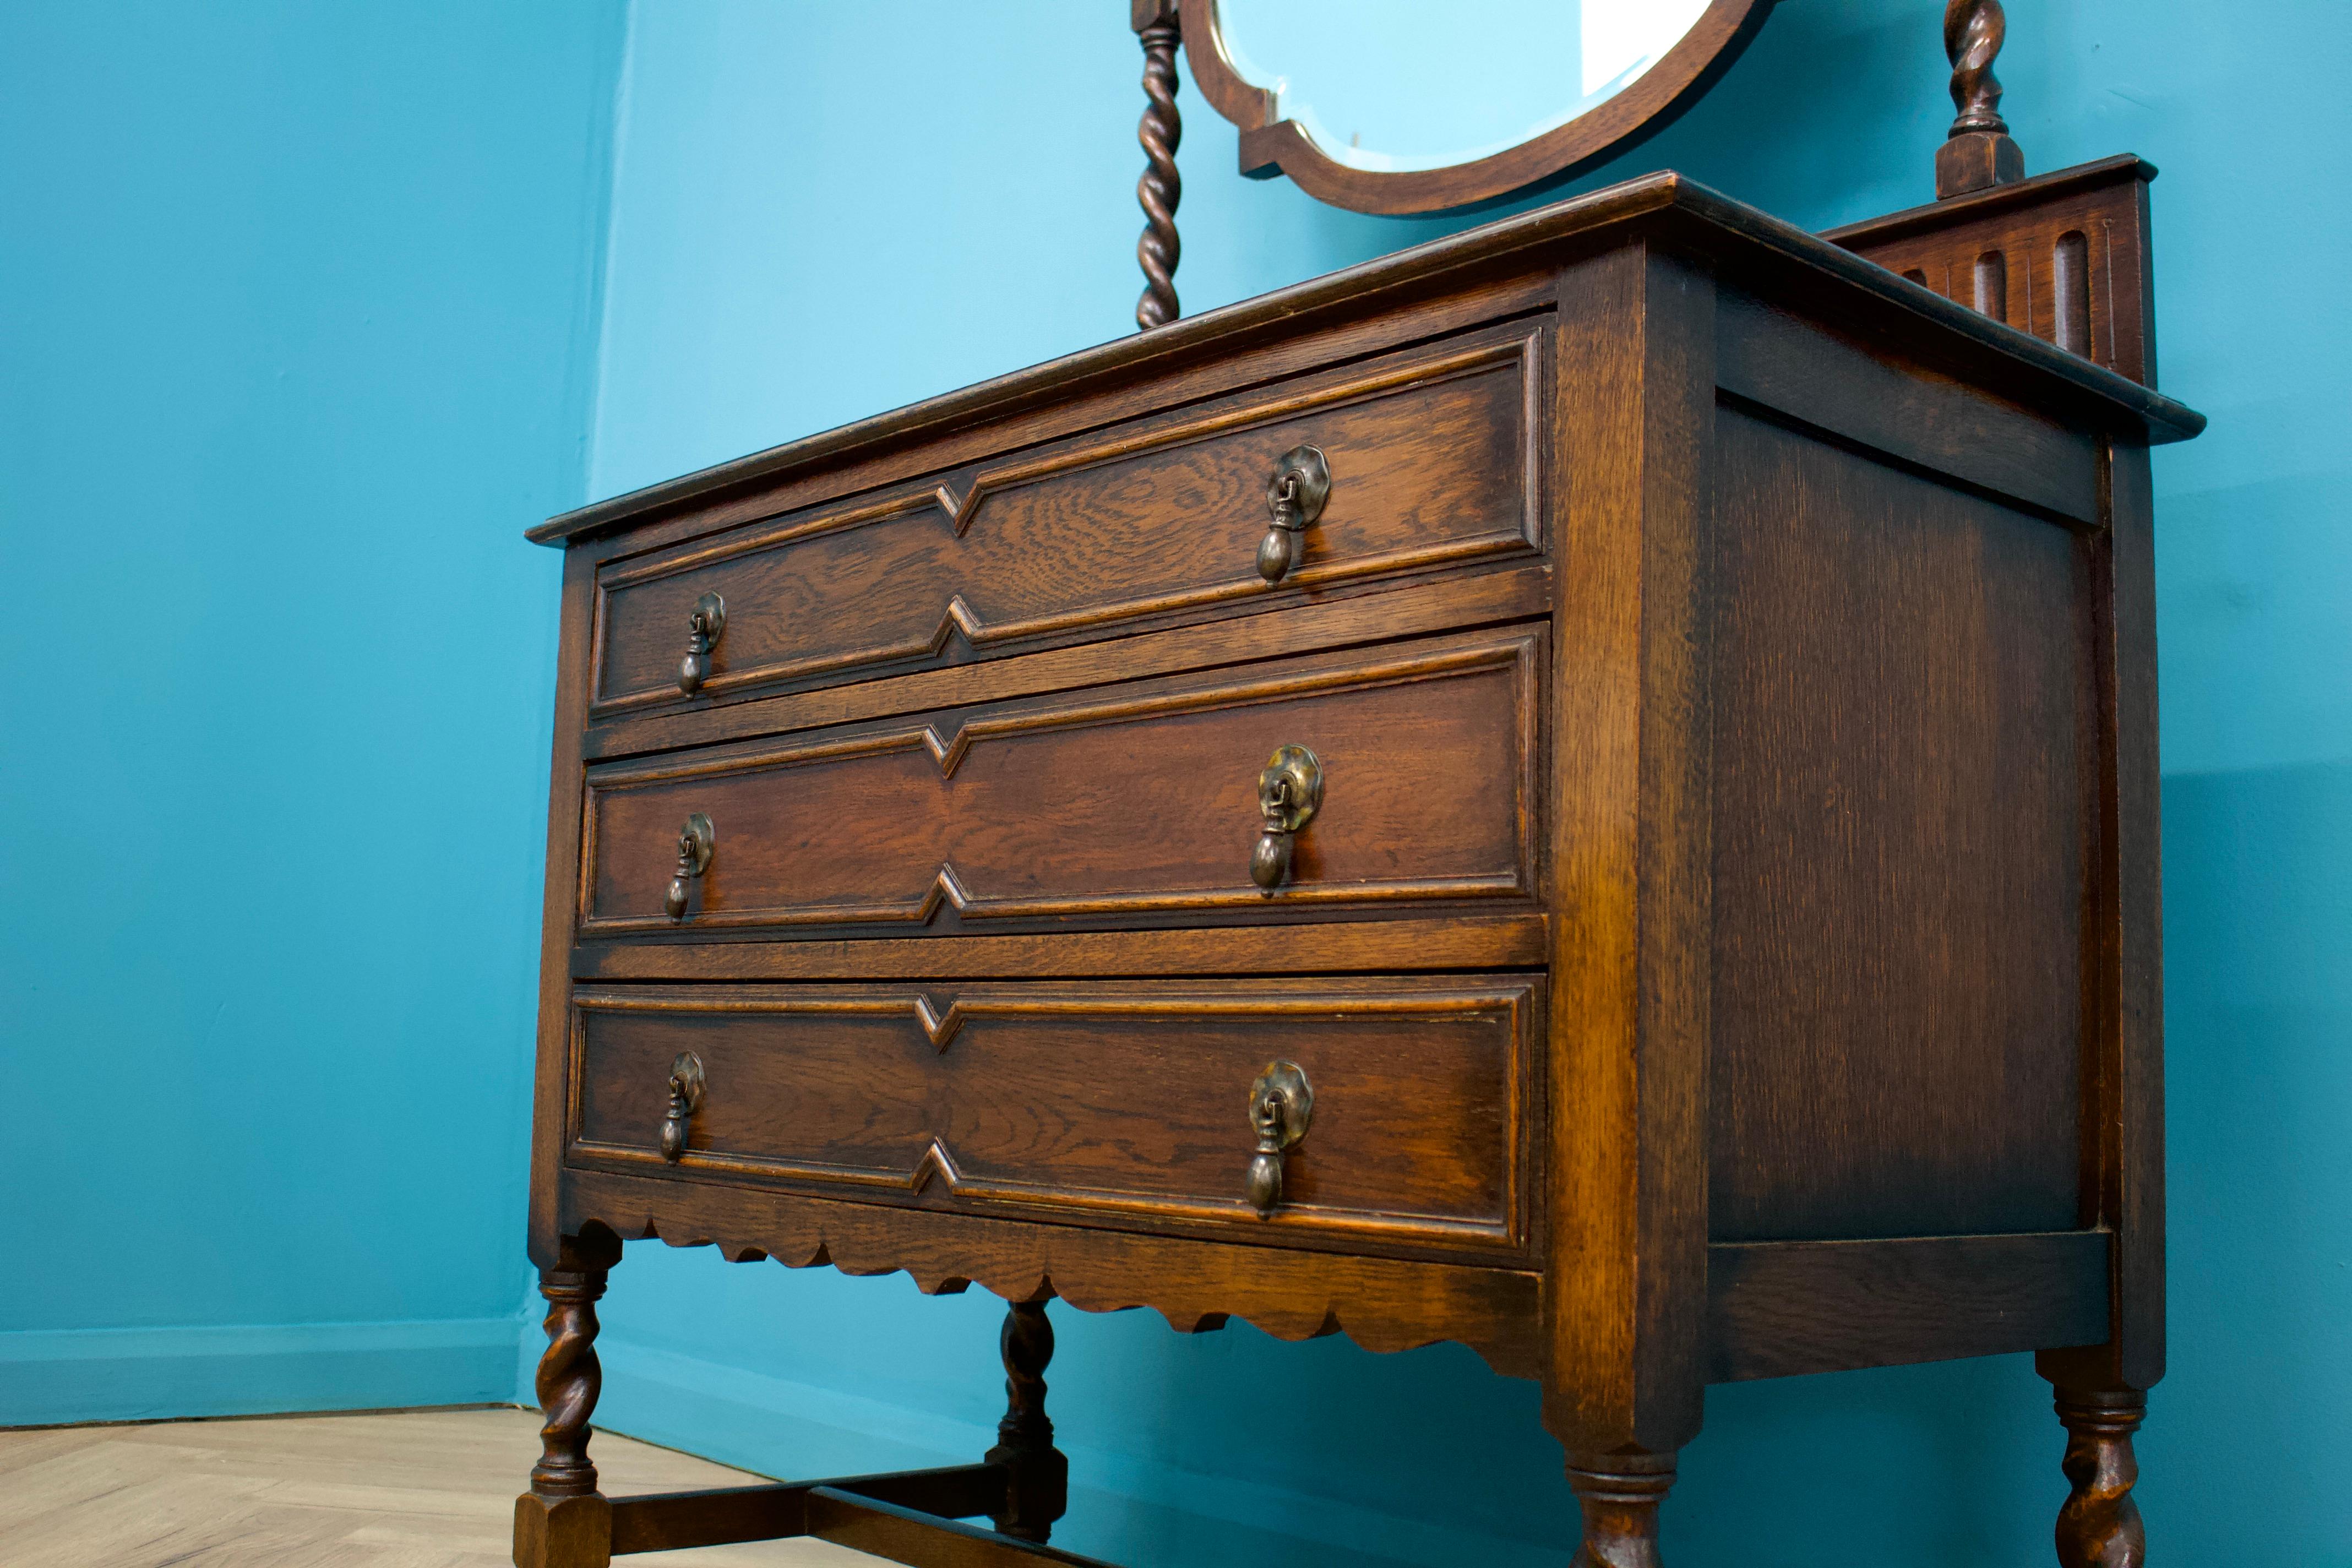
x,y
297,329
945,194
295,295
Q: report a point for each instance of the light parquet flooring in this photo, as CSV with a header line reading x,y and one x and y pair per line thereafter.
x,y
424,1488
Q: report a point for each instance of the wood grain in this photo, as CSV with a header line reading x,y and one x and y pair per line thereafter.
x,y
1977,152
903,1535
1620,1494
1345,616
2074,250
2099,1524
1106,1097
1292,1293
1037,1488
1727,944
1426,457
1495,269
1161,187
1455,942
1293,355
1903,716
1626,1278
2123,1130
1777,1309
721,1516
566,823
1119,801
1808,372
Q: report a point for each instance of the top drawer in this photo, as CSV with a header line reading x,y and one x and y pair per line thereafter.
x,y
1429,461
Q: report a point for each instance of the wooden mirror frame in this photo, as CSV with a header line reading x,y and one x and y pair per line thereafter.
x,y
1271,145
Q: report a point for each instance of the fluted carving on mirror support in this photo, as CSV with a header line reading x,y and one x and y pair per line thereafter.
x,y
1160,188
2099,1524
1978,151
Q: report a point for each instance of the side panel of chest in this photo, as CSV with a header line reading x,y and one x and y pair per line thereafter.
x,y
1906,811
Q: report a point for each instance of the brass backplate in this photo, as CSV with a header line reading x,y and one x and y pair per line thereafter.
x,y
686,1078
1288,1081
712,609
1306,466
1298,776
698,838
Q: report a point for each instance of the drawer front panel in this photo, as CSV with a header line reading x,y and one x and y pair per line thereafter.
x,y
1429,461
1094,1097
1108,802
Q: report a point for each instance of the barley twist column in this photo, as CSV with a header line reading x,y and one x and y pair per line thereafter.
x,y
1038,1488
1977,153
1620,1494
1160,188
563,1522
2099,1525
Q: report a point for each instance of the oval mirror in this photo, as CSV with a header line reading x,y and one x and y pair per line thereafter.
x,y
1401,106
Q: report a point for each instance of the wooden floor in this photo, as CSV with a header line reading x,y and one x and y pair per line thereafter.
x,y
411,1489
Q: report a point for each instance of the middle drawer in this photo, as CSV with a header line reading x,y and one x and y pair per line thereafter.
x,y
1408,778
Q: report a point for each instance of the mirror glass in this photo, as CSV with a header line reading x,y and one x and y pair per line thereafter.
x,y
1396,85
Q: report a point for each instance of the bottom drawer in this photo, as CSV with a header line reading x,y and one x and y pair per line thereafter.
x,y
1100,1098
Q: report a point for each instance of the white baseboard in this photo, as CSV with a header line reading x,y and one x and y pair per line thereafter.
x,y
49,1376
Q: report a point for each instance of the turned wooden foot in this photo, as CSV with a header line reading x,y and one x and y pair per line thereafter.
x,y
2099,1526
1039,1491
562,1522
1620,1494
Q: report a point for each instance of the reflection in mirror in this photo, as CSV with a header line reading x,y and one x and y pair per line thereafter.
x,y
1397,85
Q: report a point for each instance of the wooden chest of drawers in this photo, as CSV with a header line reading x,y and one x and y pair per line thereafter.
x,y
1588,789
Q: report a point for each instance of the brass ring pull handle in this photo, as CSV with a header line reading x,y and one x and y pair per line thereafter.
x,y
702,629
685,1100
1301,484
1289,791
696,841
1281,1104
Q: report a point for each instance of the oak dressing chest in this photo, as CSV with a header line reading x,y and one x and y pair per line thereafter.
x,y
1587,789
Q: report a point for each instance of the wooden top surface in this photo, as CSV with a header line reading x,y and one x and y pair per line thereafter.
x,y
1749,247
